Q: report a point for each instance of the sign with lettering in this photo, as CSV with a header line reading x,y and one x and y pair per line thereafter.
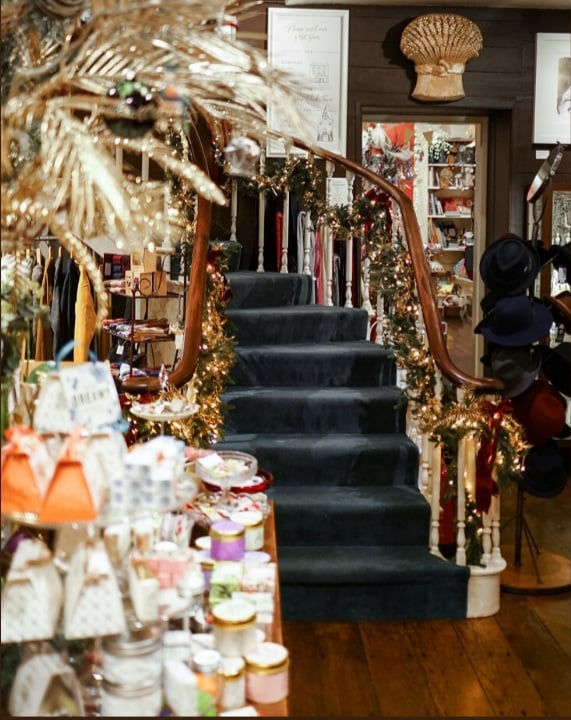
x,y
80,394
312,45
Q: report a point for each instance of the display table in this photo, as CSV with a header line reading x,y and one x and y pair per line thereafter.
x,y
279,709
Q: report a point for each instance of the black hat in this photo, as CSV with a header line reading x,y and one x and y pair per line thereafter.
x,y
556,366
516,367
509,265
515,320
545,472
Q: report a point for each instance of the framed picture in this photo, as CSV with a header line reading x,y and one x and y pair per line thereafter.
x,y
552,101
314,46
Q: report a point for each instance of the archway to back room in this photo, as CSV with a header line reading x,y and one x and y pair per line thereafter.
x,y
441,163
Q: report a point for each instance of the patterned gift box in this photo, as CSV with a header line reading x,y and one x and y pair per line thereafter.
x,y
93,604
32,596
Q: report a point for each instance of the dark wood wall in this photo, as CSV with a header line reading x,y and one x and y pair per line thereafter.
x,y
499,84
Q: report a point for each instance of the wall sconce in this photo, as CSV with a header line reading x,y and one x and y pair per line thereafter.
x,y
440,45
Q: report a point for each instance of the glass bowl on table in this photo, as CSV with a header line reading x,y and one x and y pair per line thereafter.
x,y
226,469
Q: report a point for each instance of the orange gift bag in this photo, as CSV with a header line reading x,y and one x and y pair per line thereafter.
x,y
26,468
68,498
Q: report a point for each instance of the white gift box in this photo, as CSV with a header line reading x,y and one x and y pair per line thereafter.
x,y
32,596
93,604
44,686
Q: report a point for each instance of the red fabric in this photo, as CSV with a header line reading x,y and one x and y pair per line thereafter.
x,y
319,295
486,486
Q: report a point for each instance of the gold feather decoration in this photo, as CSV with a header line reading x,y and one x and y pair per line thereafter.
x,y
91,80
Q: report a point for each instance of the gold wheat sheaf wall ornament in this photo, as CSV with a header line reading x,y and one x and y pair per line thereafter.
x,y
440,45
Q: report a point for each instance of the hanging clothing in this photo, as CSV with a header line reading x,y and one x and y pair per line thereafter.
x,y
85,317
44,334
66,280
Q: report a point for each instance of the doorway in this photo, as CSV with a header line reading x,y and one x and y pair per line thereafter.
x,y
441,164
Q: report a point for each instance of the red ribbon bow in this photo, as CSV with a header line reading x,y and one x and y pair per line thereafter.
x,y
486,486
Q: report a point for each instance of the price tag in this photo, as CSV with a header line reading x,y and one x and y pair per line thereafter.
x,y
178,338
120,349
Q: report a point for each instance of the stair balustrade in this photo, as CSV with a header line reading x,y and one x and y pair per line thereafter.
x,y
430,454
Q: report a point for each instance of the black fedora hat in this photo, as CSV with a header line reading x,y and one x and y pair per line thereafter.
x,y
515,320
509,265
545,472
516,367
556,366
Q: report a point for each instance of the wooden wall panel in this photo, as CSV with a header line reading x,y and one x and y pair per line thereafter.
x,y
499,84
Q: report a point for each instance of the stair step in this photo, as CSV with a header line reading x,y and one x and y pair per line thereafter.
x,y
331,458
321,583
250,289
315,410
363,515
359,363
297,324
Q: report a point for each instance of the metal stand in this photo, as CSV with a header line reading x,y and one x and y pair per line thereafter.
x,y
551,572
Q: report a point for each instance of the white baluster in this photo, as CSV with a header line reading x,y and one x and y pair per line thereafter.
x,y
306,244
366,278
436,463
495,514
233,210
349,272
461,504
285,233
425,463
261,219
486,539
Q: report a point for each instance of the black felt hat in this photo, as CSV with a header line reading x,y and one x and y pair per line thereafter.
x,y
509,265
515,320
545,472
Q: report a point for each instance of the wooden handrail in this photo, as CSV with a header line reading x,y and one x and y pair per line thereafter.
x,y
415,245
186,367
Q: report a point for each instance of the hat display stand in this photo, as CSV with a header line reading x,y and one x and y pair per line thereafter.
x,y
549,573
509,271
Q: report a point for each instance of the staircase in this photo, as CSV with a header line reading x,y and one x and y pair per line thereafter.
x,y
316,404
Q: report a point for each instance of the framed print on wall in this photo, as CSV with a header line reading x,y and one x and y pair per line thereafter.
x,y
314,45
552,101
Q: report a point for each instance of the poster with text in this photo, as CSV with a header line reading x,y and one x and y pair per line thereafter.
x,y
313,46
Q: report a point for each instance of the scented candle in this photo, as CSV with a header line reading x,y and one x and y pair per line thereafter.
x,y
228,540
253,522
234,627
267,673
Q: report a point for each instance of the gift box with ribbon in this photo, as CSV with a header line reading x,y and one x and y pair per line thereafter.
x,y
32,596
93,604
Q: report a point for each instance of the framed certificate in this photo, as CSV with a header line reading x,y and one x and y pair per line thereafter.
x,y
313,46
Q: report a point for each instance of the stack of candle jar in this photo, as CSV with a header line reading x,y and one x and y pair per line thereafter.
x,y
199,639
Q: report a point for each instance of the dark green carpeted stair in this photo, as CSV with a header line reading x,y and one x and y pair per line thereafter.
x,y
316,403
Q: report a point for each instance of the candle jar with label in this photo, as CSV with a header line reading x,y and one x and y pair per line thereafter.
x,y
253,522
267,673
234,627
228,540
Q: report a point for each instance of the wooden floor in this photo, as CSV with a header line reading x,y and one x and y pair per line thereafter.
x,y
516,663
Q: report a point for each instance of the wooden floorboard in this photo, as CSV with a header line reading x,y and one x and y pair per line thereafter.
x,y
516,663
